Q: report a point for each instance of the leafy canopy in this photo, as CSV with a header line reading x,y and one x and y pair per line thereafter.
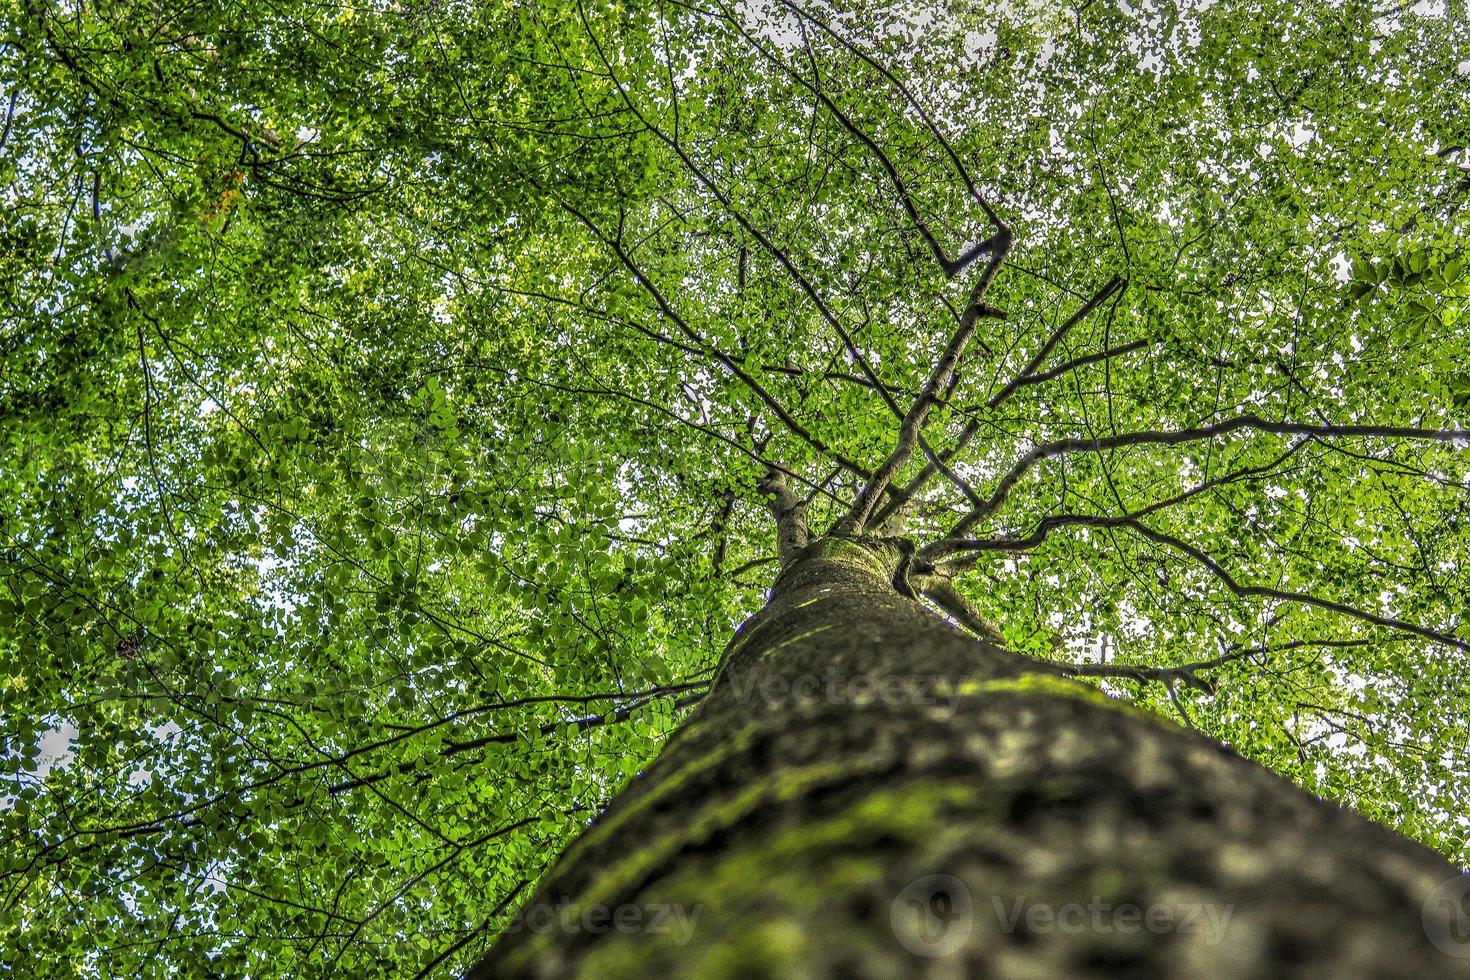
x,y
388,392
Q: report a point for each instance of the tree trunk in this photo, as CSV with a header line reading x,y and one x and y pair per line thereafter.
x,y
869,792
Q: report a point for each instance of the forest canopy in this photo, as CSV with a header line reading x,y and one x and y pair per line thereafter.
x,y
390,394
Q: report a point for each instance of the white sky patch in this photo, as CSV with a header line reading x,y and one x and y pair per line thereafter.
x,y
165,731
54,751
977,44
56,748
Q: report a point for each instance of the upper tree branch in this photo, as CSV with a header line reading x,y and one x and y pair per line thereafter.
x,y
1077,362
705,430
918,107
1213,567
1110,287
1168,438
695,337
908,433
903,496
760,237
951,267
789,510
1053,522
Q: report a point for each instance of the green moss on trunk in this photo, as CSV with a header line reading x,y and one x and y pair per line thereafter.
x,y
855,746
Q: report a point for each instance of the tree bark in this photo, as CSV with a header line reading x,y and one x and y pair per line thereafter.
x,y
869,792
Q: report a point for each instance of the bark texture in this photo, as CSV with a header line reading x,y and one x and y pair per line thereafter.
x,y
855,746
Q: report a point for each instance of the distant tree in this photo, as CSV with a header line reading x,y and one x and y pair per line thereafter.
x,y
403,405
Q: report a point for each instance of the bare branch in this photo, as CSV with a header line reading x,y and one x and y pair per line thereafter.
x,y
760,237
1077,362
9,117
959,482
1241,590
1045,528
469,937
1264,592
941,591
1169,438
908,433
1169,681
639,700
918,107
673,416
1110,287
1188,674
951,267
789,510
695,337
903,496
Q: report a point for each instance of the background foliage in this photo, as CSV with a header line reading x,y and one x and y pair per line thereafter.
x,y
385,388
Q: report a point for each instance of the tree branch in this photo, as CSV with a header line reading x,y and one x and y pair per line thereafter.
x,y
1169,438
469,937
903,496
951,267
695,337
1036,538
908,433
919,109
1185,673
1077,362
940,590
1239,589
789,510
1110,287
765,243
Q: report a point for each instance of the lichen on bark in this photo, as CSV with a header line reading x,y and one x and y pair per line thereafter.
x,y
855,746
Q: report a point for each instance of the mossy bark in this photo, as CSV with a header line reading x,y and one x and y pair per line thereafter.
x,y
869,792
